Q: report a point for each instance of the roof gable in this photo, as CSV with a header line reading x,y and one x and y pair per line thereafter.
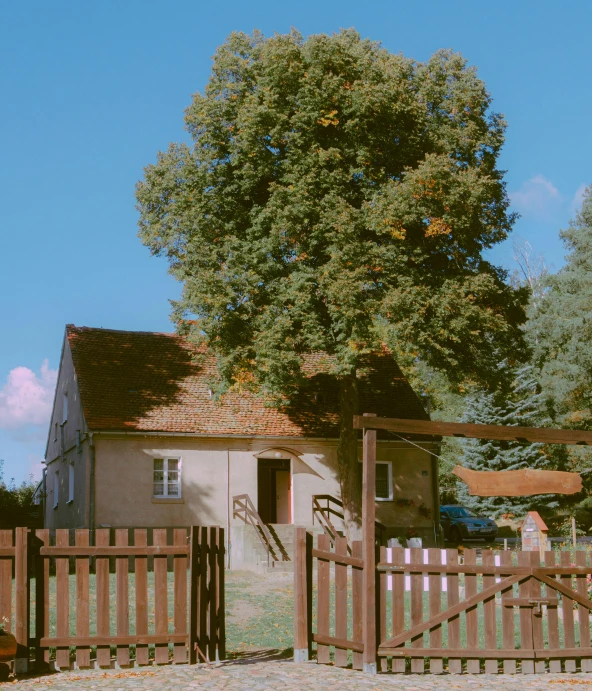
x,y
146,381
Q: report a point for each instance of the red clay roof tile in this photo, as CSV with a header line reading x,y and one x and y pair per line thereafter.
x,y
143,381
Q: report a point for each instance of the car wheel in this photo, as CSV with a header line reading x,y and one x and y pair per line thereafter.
x,y
455,535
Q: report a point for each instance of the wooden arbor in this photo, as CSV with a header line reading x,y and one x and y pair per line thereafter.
x,y
369,424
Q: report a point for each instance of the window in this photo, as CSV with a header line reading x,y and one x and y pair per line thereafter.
x,y
70,482
55,432
65,408
56,489
167,478
384,480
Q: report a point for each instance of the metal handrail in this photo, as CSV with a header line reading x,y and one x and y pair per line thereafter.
x,y
242,504
322,514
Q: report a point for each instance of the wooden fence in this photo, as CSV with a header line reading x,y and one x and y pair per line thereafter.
x,y
100,623
502,611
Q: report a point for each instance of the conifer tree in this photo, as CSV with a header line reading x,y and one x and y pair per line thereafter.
x,y
522,404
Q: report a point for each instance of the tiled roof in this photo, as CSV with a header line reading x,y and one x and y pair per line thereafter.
x,y
133,380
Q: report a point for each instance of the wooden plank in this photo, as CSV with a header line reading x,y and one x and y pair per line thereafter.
x,y
85,641
435,601
463,568
221,598
141,573
340,601
489,613
161,625
41,602
102,585
6,578
416,597
369,549
471,614
339,559
122,597
568,616
583,612
203,599
193,594
552,618
301,622
62,600
180,596
115,551
213,592
456,653
381,608
357,597
526,641
7,552
398,594
535,614
518,483
508,627
323,600
82,599
339,643
454,665
546,435
21,610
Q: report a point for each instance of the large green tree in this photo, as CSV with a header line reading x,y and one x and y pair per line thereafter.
x,y
335,197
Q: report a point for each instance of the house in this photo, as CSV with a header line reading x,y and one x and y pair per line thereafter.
x,y
137,439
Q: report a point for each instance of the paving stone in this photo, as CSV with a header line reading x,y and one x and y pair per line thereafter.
x,y
286,675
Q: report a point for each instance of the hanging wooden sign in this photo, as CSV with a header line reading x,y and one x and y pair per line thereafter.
x,y
518,483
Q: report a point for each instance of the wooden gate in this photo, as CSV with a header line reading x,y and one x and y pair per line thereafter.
x,y
127,603
500,609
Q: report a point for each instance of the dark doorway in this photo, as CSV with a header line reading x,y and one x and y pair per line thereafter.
x,y
274,490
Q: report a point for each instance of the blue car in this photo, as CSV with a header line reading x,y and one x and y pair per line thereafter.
x,y
459,523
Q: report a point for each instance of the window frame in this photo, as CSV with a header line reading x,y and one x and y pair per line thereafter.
x,y
56,489
165,481
389,465
70,483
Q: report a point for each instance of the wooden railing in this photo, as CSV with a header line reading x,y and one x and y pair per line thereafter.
x,y
244,509
323,515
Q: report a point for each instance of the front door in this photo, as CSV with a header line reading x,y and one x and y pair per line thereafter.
x,y
274,490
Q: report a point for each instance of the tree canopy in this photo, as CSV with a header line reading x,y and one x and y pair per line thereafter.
x,y
336,197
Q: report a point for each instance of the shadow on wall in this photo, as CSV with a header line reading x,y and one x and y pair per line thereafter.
x,y
201,505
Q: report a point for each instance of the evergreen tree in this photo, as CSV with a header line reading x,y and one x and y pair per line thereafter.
x,y
561,328
522,405
336,197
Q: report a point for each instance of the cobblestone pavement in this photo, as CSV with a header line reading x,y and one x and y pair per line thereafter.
x,y
286,675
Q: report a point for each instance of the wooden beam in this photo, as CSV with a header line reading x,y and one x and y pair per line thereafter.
x,y
369,548
518,483
544,435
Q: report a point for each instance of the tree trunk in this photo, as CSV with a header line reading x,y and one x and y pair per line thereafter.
x,y
347,458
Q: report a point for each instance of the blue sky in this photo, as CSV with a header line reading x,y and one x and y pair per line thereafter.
x,y
91,91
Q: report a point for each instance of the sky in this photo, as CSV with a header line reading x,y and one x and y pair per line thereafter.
x,y
90,92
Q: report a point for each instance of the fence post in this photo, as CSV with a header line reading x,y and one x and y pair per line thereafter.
x,y
21,629
221,598
302,595
369,549
193,594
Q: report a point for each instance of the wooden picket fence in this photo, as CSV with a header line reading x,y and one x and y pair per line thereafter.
x,y
100,625
498,612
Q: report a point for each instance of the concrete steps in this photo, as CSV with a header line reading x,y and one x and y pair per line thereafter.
x,y
250,554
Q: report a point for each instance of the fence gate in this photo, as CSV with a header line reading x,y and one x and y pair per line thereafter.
x,y
128,604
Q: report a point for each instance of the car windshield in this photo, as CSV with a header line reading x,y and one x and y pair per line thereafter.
x,y
460,512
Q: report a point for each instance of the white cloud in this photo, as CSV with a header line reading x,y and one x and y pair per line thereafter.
x,y
537,197
26,398
576,202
